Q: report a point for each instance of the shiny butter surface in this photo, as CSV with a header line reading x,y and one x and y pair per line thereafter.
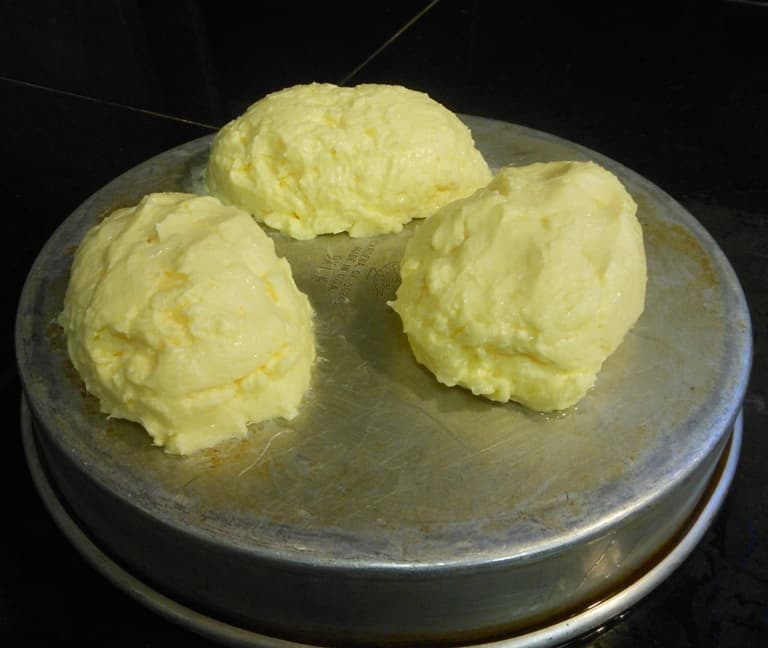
x,y
319,158
180,316
521,291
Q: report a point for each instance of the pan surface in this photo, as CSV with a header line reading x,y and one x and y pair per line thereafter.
x,y
556,633
394,509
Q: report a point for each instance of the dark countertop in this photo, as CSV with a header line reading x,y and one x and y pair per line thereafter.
x,y
678,93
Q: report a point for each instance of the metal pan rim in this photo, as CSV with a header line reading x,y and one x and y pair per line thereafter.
x,y
592,619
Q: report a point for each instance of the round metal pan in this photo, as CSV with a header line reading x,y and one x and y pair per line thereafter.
x,y
557,632
395,510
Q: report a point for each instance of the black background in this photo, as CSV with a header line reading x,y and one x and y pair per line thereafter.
x,y
677,91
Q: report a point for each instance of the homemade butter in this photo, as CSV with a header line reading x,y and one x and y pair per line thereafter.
x,y
320,158
179,316
521,291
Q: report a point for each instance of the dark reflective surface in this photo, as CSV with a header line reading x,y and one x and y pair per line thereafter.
x,y
678,94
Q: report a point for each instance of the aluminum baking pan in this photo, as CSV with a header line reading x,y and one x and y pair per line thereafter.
x,y
394,510
556,632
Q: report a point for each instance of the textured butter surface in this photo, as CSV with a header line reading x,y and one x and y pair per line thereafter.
x,y
319,158
180,316
522,291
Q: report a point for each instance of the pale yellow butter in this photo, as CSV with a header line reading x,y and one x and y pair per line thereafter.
x,y
179,316
319,158
522,291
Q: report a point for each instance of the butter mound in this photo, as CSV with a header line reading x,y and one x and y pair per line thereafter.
x,y
179,316
521,291
320,158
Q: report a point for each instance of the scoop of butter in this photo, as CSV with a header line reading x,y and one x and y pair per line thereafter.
x,y
320,158
179,316
521,291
